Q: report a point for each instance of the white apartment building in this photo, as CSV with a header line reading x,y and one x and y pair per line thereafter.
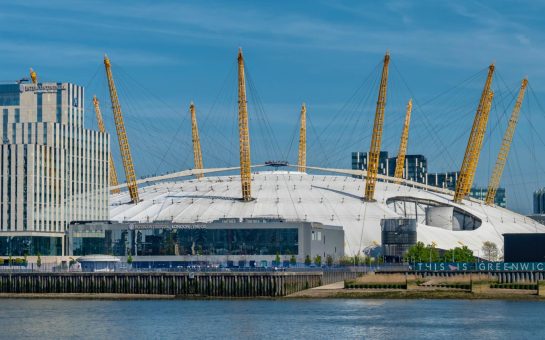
x,y
53,169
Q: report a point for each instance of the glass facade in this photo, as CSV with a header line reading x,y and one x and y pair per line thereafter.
x,y
539,201
398,235
416,166
9,94
195,241
446,180
480,194
30,246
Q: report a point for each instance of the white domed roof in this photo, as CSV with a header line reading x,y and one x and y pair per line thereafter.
x,y
331,200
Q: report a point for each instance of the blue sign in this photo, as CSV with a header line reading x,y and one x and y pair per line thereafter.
x,y
479,266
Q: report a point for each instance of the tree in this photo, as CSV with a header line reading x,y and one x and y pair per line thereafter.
x,y
129,259
416,253
329,260
308,261
490,251
277,259
459,254
293,260
318,260
422,253
346,261
39,260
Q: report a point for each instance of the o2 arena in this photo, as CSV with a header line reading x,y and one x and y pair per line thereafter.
x,y
360,202
330,200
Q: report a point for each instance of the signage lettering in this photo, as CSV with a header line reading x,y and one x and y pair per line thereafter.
x,y
42,87
479,266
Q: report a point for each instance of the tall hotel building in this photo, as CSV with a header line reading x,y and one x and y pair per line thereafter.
x,y
53,170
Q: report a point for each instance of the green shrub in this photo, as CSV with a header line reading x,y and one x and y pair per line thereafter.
x,y
293,260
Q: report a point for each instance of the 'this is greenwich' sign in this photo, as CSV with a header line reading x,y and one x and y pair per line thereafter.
x,y
479,266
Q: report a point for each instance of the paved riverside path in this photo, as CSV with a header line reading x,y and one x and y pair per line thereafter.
x,y
321,291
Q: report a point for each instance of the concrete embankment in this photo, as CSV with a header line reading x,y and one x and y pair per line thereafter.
x,y
401,286
198,284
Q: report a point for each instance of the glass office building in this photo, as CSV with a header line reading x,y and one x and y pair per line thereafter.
x,y
53,170
415,169
480,194
221,239
539,201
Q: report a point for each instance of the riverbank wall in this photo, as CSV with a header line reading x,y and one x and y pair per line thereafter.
x,y
204,284
497,276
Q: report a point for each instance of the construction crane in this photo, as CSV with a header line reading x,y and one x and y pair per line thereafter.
x,y
302,161
101,128
400,161
244,134
475,142
505,147
33,76
197,154
124,148
374,153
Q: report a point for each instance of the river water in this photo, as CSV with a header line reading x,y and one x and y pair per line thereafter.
x,y
272,319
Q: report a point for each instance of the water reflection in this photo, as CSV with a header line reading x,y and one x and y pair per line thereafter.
x,y
272,319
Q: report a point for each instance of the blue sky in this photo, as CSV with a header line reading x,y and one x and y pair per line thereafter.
x,y
167,53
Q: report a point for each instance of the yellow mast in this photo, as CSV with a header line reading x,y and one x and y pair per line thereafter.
x,y
475,142
33,76
197,154
400,161
374,153
101,128
122,135
302,164
505,147
244,134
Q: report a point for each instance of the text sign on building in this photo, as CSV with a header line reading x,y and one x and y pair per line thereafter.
x,y
165,225
479,266
42,87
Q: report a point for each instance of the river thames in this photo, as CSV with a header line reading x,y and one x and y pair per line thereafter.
x,y
271,319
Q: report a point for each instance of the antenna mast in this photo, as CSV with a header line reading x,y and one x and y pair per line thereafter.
x,y
101,128
505,147
302,164
197,154
122,135
400,161
244,134
475,142
374,153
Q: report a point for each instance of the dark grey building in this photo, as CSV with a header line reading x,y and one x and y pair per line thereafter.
x,y
416,166
397,236
539,201
524,247
480,194
415,169
360,161
445,180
